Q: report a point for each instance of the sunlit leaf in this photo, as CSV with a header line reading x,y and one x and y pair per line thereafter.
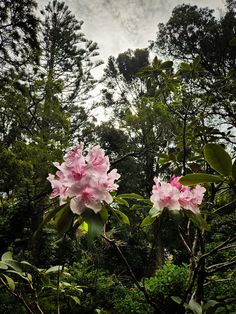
x,y
30,278
147,221
7,259
154,212
7,256
14,265
84,226
76,299
54,269
218,158
10,282
195,307
3,266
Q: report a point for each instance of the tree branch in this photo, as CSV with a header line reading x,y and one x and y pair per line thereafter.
x,y
216,267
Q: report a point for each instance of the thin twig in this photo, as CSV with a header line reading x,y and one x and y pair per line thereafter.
x,y
37,302
227,206
185,243
17,296
217,267
220,246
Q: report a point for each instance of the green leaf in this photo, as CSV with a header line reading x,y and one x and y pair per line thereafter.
x,y
176,299
173,87
196,178
31,266
7,256
121,216
196,61
121,201
18,273
186,67
232,42
104,214
132,196
14,265
147,221
154,212
218,159
54,269
76,299
210,304
136,197
147,201
197,219
10,282
64,219
234,170
84,226
139,206
3,265
201,222
8,260
95,224
195,307
166,65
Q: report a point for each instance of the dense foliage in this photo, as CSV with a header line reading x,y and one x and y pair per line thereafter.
x,y
122,244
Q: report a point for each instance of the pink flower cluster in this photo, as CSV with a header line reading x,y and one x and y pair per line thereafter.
x,y
84,180
175,196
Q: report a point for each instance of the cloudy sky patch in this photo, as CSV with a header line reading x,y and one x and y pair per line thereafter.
x,y
122,24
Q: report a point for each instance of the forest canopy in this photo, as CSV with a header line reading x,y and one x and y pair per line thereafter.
x,y
132,215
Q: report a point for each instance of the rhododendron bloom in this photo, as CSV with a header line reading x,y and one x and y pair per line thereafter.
x,y
58,189
174,195
165,195
174,181
84,180
97,161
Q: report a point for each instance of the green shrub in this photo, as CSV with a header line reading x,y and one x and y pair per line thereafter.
x,y
222,291
167,282
98,287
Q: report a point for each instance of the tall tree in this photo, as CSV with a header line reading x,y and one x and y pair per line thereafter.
x,y
138,114
67,54
18,33
68,57
193,31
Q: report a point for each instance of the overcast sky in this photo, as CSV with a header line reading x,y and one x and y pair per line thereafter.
x,y
117,25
